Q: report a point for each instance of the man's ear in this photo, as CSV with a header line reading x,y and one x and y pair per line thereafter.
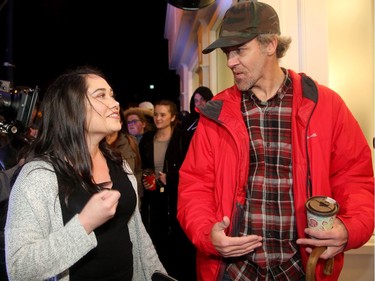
x,y
272,46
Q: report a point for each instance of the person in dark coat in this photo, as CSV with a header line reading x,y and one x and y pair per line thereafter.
x,y
162,151
199,98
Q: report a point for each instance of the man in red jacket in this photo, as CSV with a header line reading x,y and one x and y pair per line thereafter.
x,y
261,149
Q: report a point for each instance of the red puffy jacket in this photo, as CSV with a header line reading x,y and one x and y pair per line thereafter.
x,y
331,157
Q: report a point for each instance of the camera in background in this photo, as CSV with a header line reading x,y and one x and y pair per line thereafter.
x,y
17,107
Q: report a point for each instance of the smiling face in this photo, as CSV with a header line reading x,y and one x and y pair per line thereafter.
x,y
102,109
163,117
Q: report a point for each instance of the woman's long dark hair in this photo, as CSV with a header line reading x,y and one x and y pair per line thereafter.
x,y
61,138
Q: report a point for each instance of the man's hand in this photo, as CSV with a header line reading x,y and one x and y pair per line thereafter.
x,y
232,246
335,239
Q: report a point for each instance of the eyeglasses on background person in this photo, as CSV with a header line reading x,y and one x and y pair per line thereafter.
x,y
133,122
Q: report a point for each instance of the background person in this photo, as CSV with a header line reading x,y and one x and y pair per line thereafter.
x,y
137,122
182,116
199,99
127,145
73,208
14,155
162,151
261,149
6,178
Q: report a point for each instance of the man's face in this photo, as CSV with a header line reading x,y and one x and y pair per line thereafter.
x,y
248,63
135,125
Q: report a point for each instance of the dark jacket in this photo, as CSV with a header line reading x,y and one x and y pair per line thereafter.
x,y
159,209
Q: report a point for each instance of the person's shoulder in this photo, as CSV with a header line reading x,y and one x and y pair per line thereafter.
x,y
37,171
36,177
177,131
232,94
147,137
125,144
309,84
189,121
37,164
131,138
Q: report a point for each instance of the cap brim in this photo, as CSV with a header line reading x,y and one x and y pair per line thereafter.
x,y
227,42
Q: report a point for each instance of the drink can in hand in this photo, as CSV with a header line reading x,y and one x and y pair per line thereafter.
x,y
150,178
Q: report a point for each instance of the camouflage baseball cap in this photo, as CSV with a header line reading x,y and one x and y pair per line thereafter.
x,y
243,22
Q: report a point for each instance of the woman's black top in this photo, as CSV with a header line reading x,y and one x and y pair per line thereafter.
x,y
112,259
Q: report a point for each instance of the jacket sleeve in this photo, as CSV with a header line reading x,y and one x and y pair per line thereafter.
x,y
352,179
38,246
145,257
196,210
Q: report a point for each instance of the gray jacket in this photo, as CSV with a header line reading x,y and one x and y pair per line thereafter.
x,y
39,247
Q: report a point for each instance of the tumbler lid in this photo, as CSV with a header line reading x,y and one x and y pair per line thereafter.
x,y
322,206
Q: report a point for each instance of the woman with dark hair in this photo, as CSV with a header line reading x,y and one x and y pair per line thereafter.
x,y
73,211
199,99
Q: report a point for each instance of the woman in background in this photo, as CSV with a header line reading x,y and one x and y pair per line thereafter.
x,y
199,99
162,151
73,208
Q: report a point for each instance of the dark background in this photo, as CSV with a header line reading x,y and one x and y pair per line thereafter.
x,y
42,38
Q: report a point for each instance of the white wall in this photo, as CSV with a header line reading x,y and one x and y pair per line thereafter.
x,y
351,58
351,74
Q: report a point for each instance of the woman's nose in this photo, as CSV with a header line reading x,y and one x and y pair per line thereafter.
x,y
115,104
